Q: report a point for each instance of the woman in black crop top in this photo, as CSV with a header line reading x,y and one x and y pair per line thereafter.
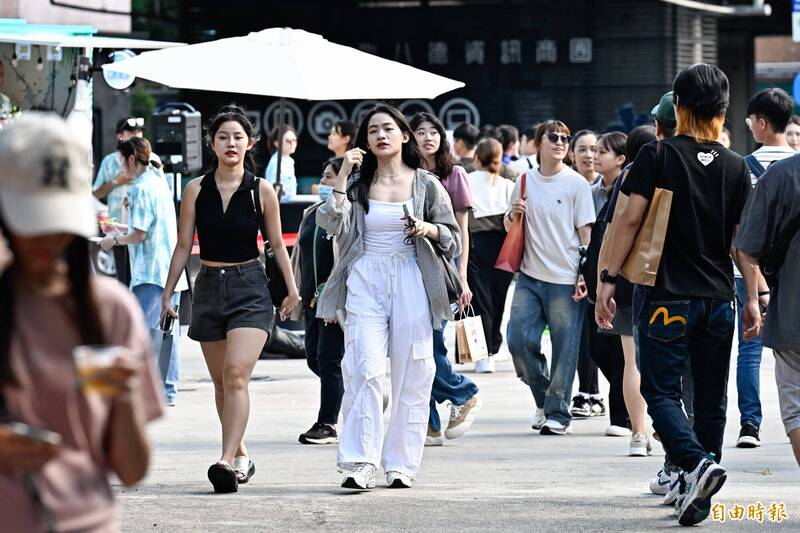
x,y
231,309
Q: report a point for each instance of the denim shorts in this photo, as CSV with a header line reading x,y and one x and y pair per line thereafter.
x,y
227,298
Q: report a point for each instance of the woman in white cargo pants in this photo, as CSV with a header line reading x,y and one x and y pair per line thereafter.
x,y
389,289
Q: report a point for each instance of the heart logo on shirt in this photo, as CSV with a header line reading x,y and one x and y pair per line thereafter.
x,y
706,157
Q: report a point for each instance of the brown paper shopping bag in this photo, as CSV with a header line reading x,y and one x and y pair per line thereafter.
x,y
641,265
470,339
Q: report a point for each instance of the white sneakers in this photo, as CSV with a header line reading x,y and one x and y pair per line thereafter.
x,y
554,427
694,502
485,366
462,417
618,431
538,419
660,485
397,480
361,478
640,445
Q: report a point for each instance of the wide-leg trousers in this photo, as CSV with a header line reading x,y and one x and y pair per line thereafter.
x,y
388,314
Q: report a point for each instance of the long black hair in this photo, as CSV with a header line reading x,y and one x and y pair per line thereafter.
x,y
85,310
412,157
443,158
231,113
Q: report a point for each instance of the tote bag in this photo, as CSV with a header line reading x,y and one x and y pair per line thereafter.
x,y
510,256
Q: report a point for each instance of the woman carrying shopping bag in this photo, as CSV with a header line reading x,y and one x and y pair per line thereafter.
x,y
388,288
491,199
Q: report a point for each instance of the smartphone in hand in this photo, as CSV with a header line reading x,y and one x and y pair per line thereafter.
x,y
38,435
166,325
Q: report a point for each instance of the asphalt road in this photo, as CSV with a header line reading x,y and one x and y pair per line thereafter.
x,y
501,476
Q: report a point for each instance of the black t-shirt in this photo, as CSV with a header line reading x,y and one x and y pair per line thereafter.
x,y
305,240
709,185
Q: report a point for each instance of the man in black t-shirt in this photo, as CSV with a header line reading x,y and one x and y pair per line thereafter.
x,y
689,313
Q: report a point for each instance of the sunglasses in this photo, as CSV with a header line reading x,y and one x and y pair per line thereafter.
x,y
555,137
137,122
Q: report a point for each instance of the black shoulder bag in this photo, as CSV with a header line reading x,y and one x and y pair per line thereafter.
x,y
277,285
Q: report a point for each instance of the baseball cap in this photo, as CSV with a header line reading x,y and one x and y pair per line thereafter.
x,y
45,185
665,110
130,124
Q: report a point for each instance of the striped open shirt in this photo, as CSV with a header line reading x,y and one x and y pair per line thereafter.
x,y
346,222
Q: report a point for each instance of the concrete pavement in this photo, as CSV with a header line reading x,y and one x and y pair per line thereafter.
x,y
499,476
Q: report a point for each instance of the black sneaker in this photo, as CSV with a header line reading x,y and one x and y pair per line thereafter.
x,y
581,408
598,407
320,434
748,436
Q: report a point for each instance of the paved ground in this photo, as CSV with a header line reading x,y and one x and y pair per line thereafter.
x,y
500,476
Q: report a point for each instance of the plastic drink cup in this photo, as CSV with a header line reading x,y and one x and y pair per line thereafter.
x,y
90,361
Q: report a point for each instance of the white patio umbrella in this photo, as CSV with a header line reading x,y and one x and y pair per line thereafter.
x,y
286,63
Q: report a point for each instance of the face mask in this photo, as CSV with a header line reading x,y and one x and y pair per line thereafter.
x,y
324,192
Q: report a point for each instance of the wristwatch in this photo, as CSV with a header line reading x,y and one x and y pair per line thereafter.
x,y
605,277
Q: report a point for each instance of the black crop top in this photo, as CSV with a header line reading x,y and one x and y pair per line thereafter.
x,y
228,237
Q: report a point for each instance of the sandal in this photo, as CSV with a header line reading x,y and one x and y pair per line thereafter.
x,y
223,477
244,468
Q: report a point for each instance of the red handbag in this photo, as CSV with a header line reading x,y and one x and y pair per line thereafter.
x,y
510,256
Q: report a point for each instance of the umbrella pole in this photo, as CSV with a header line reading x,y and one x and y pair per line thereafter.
x,y
281,129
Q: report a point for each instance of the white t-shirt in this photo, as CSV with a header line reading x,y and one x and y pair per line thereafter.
x,y
766,155
489,197
557,206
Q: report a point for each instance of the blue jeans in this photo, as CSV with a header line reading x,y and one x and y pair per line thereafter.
x,y
149,297
447,385
748,366
671,330
537,304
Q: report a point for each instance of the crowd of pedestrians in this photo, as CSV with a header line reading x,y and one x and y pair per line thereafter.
x,y
404,238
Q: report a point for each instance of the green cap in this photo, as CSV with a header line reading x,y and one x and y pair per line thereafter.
x,y
665,110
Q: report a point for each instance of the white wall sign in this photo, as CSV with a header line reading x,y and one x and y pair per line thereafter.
x,y
294,117
457,111
322,118
412,107
119,80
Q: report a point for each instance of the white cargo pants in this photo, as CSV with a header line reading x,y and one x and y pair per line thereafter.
x,y
387,314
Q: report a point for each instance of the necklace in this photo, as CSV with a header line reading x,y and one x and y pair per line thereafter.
x,y
388,175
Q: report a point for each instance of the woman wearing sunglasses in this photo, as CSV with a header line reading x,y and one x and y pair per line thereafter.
x,y
558,212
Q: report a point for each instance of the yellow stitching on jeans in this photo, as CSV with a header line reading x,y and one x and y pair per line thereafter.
x,y
667,320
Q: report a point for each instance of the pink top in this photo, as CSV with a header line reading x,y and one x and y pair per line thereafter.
x,y
74,486
457,186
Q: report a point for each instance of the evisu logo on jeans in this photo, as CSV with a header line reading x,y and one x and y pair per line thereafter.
x,y
667,320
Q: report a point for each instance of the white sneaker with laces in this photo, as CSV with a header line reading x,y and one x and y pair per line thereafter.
x,y
694,504
673,489
618,431
538,419
485,366
640,445
661,484
554,427
361,478
397,480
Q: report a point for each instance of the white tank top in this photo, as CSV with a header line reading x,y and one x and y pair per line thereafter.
x,y
384,227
